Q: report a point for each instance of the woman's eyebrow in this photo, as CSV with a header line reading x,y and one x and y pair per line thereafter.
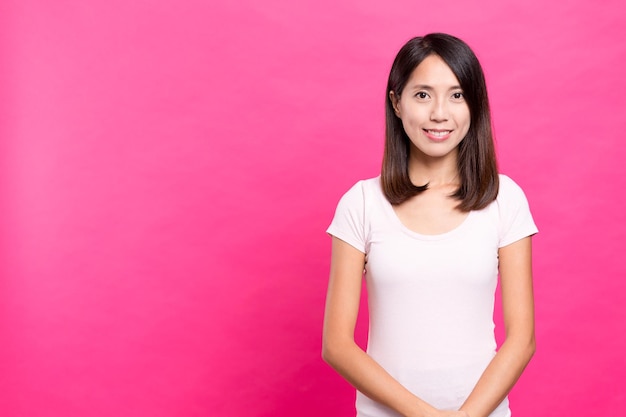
x,y
430,88
422,87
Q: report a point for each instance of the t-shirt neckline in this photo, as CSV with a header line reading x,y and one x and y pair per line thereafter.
x,y
440,236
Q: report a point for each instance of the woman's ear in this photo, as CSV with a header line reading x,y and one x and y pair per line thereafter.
x,y
394,102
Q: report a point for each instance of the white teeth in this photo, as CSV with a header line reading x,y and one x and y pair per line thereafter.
x,y
438,133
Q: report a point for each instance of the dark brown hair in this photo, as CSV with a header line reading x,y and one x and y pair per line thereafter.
x,y
476,154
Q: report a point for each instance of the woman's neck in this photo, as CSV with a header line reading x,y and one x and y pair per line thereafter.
x,y
434,171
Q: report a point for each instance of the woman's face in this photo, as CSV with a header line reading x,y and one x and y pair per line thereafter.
x,y
433,110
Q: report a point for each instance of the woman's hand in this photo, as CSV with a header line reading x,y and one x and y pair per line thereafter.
x,y
449,413
453,414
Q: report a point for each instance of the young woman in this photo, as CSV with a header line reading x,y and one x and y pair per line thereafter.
x,y
431,234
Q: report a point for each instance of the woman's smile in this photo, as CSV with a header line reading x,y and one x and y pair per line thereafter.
x,y
437,135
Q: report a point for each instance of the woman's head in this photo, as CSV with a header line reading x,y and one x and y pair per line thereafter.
x,y
476,156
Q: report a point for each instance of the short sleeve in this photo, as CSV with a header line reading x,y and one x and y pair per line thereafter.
x,y
516,220
348,224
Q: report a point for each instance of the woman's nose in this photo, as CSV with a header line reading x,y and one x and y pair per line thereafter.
x,y
439,111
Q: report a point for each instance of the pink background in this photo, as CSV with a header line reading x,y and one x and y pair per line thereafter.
x,y
168,169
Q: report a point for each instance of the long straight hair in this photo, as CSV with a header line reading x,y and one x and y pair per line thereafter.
x,y
476,161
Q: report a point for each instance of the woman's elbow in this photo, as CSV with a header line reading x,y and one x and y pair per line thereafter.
x,y
531,348
326,355
332,350
527,348
328,352
523,347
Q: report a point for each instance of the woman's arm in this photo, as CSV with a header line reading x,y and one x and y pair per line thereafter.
x,y
519,345
342,353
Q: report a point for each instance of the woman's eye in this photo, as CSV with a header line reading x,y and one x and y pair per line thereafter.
x,y
457,96
421,95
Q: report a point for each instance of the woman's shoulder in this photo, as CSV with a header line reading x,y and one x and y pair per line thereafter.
x,y
365,186
510,192
508,186
362,193
516,220
371,184
506,180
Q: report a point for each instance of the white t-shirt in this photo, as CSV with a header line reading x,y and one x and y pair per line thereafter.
x,y
431,297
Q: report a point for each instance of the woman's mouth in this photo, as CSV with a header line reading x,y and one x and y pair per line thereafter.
x,y
437,134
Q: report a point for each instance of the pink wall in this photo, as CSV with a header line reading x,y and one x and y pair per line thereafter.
x,y
168,170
